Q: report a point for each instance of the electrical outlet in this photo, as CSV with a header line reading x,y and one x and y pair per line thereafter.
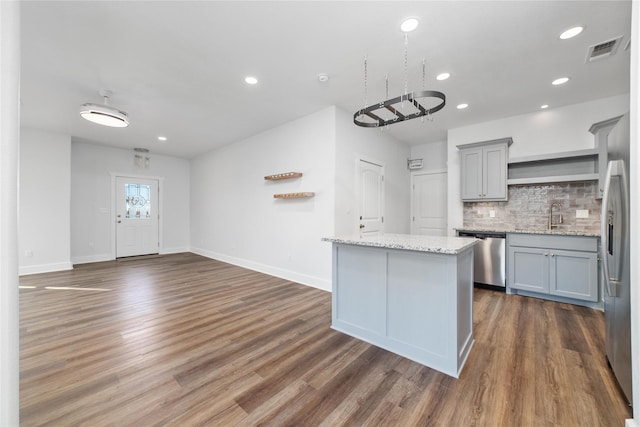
x,y
492,214
582,213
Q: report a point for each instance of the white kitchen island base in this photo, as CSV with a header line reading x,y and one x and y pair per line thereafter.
x,y
415,303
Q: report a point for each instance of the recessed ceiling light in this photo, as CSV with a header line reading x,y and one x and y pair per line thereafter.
x,y
251,80
571,32
409,25
162,138
323,77
462,106
560,81
443,76
544,106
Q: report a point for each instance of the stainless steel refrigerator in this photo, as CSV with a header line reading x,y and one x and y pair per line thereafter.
x,y
615,255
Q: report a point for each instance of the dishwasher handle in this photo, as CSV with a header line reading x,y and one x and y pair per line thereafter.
x,y
482,236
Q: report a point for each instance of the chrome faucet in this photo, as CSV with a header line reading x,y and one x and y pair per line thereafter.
x,y
559,208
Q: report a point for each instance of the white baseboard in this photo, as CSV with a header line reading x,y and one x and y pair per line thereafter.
x,y
44,268
91,258
109,257
177,250
305,279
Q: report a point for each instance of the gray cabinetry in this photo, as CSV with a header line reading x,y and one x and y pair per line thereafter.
x,y
574,274
601,132
562,266
570,166
529,269
483,169
416,304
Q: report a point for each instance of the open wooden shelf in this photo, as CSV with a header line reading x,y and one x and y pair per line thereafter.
x,y
294,195
286,175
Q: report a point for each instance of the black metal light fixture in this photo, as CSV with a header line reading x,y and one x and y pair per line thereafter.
x,y
410,105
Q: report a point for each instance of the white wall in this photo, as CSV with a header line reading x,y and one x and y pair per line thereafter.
x,y
433,155
92,169
45,192
635,213
234,217
352,143
9,142
548,131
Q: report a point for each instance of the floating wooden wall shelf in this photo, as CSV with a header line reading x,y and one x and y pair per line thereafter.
x,y
294,195
286,175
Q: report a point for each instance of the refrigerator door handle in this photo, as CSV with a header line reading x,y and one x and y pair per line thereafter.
x,y
606,230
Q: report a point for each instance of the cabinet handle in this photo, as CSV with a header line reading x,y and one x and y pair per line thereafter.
x,y
553,254
546,254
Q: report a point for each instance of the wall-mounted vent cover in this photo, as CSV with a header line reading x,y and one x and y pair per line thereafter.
x,y
603,50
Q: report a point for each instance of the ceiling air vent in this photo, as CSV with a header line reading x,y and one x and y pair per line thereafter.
x,y
603,50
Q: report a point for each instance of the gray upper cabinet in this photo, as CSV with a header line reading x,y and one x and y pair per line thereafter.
x,y
600,133
483,167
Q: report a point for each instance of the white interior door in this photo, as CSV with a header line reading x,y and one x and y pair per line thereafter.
x,y
136,216
429,204
370,198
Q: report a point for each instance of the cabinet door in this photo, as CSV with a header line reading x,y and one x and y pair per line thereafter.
x,y
471,174
494,161
529,269
574,274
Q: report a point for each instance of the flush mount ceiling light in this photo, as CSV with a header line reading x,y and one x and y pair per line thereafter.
x,y
410,105
560,81
571,32
409,25
104,114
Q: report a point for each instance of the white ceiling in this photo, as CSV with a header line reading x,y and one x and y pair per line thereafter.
x,y
178,67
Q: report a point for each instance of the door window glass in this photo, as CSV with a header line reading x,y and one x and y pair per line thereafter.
x,y
138,200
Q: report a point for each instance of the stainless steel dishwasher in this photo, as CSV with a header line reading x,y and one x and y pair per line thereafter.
x,y
489,258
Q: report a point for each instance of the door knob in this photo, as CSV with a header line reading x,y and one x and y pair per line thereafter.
x,y
119,221
361,226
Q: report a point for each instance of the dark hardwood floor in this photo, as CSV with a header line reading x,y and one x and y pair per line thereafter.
x,y
187,341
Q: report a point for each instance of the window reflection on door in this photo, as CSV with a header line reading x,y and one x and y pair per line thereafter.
x,y
137,200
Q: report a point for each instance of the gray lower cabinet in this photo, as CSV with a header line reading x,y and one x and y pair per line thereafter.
x,y
564,266
416,304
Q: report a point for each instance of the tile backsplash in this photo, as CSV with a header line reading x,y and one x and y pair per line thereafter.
x,y
528,208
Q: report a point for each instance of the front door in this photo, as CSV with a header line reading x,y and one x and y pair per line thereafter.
x,y
429,204
136,216
370,198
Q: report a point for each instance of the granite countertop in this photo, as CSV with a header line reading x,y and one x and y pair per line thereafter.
x,y
411,242
555,232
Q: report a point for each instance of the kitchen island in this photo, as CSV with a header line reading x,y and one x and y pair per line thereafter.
x,y
409,294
